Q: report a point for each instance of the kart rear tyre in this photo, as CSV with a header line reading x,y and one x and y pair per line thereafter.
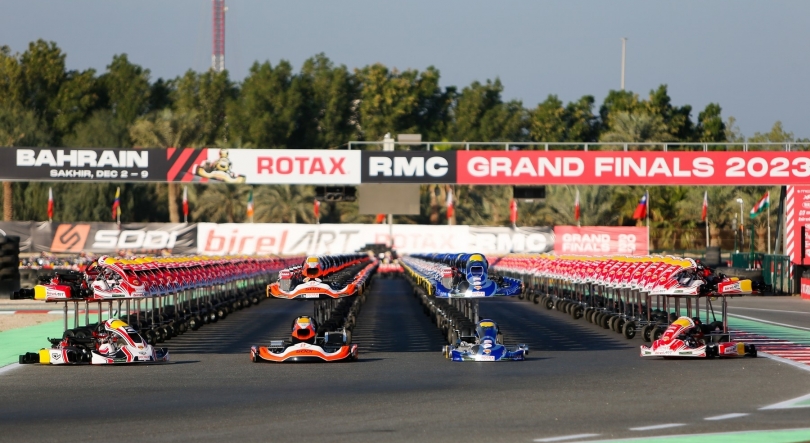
x,y
548,302
536,298
577,312
751,351
606,321
629,330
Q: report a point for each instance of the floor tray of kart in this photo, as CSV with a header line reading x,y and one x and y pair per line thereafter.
x,y
308,345
485,345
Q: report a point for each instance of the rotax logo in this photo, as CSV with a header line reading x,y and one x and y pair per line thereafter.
x,y
408,167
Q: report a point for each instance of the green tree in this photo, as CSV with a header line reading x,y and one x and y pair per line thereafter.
x,y
18,127
329,118
127,89
401,102
481,115
551,122
710,125
207,94
268,111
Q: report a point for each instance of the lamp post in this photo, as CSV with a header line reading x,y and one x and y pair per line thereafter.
x,y
736,247
742,228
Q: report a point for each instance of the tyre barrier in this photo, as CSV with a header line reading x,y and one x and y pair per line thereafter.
x,y
632,296
9,264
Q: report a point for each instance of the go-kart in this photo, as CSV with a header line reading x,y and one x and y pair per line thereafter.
x,y
308,344
485,345
325,277
687,337
110,342
459,276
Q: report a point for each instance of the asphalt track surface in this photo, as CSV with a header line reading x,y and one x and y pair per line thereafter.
x,y
579,379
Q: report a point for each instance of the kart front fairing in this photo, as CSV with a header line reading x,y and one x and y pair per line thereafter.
x,y
486,352
674,342
303,352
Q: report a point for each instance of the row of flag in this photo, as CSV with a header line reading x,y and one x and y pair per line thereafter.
x,y
640,212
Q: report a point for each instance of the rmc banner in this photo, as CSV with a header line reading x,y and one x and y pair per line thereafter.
x,y
104,238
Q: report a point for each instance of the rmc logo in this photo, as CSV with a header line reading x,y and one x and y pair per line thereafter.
x,y
408,167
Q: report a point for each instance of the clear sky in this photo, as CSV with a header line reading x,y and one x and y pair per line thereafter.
x,y
751,57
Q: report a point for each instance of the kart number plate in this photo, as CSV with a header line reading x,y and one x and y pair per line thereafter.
x,y
311,295
487,358
478,293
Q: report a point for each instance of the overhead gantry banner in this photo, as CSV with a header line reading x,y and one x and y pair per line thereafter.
x,y
352,167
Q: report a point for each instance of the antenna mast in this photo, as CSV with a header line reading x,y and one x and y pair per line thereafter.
x,y
218,57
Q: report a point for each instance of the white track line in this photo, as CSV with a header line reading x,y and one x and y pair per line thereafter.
x,y
769,310
795,364
768,322
726,416
565,437
9,368
653,427
788,403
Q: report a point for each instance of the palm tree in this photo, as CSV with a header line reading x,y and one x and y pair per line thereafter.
x,y
285,204
598,207
166,129
638,127
222,203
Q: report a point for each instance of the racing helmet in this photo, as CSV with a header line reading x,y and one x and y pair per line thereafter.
x,y
304,329
486,329
312,267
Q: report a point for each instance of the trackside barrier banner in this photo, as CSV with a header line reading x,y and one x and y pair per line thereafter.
x,y
600,240
752,168
282,238
104,238
805,288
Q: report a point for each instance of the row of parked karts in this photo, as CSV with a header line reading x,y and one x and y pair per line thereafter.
x,y
449,287
155,299
337,284
657,298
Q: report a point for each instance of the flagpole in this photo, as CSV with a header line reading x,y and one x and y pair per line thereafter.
x,y
769,222
706,198
649,208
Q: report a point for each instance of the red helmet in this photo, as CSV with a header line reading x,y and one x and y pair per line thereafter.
x,y
304,329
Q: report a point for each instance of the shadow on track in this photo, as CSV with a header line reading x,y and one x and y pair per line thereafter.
x,y
546,330
392,321
270,320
